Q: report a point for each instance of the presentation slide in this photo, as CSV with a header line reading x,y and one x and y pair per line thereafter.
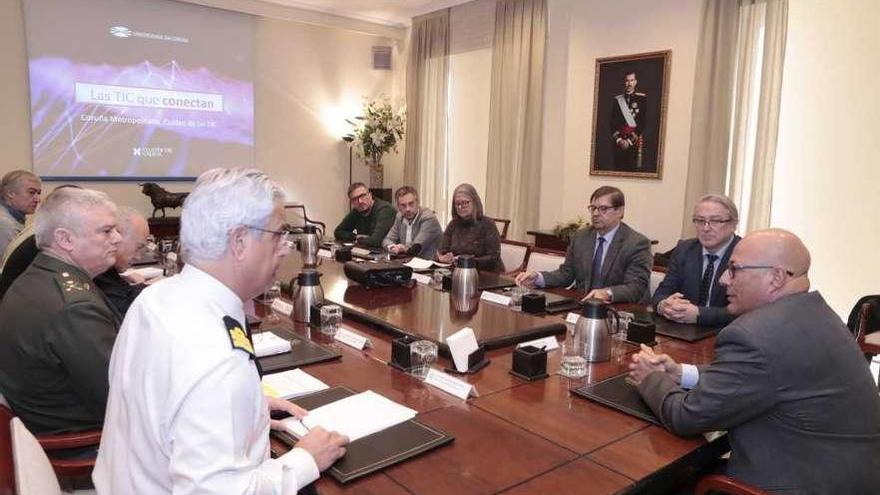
x,y
134,89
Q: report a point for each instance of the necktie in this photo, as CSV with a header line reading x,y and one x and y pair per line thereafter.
x,y
708,275
596,270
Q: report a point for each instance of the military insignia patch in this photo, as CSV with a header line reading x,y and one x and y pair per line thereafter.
x,y
237,336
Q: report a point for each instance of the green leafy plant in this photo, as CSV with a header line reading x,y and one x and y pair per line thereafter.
x,y
377,131
565,230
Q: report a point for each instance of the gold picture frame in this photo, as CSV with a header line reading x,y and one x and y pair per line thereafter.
x,y
629,115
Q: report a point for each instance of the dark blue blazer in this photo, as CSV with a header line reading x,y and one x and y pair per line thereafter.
x,y
685,275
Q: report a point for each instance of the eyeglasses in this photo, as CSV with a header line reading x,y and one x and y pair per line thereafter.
x,y
359,197
462,204
734,267
712,223
601,209
283,235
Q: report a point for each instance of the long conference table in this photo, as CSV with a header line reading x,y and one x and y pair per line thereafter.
x,y
515,437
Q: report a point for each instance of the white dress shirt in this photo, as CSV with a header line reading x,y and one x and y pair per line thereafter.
x,y
186,414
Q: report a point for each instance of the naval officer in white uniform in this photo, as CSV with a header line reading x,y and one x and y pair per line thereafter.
x,y
186,414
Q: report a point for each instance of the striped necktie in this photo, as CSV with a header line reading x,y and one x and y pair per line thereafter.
x,y
708,275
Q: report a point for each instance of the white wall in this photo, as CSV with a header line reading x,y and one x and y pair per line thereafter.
x,y
309,77
827,177
580,32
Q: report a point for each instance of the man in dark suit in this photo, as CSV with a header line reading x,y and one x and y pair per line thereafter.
x,y
690,292
609,260
788,381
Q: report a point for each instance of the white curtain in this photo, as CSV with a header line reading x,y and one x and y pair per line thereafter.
x,y
735,116
757,90
516,114
425,161
712,106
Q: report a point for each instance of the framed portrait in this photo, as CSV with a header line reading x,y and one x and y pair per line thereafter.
x,y
629,115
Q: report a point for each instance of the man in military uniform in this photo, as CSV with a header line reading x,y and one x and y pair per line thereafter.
x,y
58,329
189,414
628,118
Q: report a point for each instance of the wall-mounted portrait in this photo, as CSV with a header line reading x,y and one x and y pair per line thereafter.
x,y
629,115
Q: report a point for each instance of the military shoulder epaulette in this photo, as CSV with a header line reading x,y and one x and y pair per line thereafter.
x,y
72,287
237,336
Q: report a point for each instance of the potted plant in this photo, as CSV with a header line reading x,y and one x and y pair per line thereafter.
x,y
565,230
376,133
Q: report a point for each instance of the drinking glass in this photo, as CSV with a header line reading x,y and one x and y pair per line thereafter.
x,y
269,297
423,354
574,361
516,293
331,316
438,277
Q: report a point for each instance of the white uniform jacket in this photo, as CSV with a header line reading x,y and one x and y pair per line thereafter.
x,y
186,414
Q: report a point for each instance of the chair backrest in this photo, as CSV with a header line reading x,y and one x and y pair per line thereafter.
x,y
502,224
33,472
544,260
865,316
7,468
291,209
513,254
656,278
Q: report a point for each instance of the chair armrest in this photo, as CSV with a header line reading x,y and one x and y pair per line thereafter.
x,y
725,484
69,440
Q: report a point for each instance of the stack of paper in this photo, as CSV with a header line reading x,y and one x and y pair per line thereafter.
x,y
355,417
363,253
290,384
267,344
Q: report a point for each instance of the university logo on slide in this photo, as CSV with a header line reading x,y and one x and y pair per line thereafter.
x,y
120,31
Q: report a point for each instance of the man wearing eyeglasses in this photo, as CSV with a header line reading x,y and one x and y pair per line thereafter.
x,y
690,292
609,260
186,413
369,219
788,381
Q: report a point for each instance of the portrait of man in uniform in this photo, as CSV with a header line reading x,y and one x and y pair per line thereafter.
x,y
629,115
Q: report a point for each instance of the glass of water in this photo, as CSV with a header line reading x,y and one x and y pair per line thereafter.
x,y
516,293
574,360
423,354
331,316
269,297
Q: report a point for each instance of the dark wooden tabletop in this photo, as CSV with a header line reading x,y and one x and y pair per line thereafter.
x,y
514,437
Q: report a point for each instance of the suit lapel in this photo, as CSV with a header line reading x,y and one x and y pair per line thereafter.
x,y
717,290
588,260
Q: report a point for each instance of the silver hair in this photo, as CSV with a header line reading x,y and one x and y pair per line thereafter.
x,y
471,192
12,181
223,199
66,208
723,201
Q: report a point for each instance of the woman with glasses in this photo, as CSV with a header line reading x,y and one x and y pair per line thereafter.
x,y
470,232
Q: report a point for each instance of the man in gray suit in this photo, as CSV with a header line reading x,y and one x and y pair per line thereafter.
x,y
609,260
788,382
416,230
690,292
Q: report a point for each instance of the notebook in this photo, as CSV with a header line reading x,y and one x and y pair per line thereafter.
x,y
356,416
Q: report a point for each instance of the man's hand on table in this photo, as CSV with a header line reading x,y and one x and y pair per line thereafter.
x,y
526,279
645,362
324,446
678,309
603,295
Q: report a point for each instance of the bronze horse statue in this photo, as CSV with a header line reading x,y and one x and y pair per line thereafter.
x,y
161,198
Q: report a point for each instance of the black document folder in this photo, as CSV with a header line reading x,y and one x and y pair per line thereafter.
x,y
616,393
302,352
682,331
377,451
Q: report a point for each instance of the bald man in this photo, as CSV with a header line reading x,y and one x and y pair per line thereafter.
x,y
788,382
